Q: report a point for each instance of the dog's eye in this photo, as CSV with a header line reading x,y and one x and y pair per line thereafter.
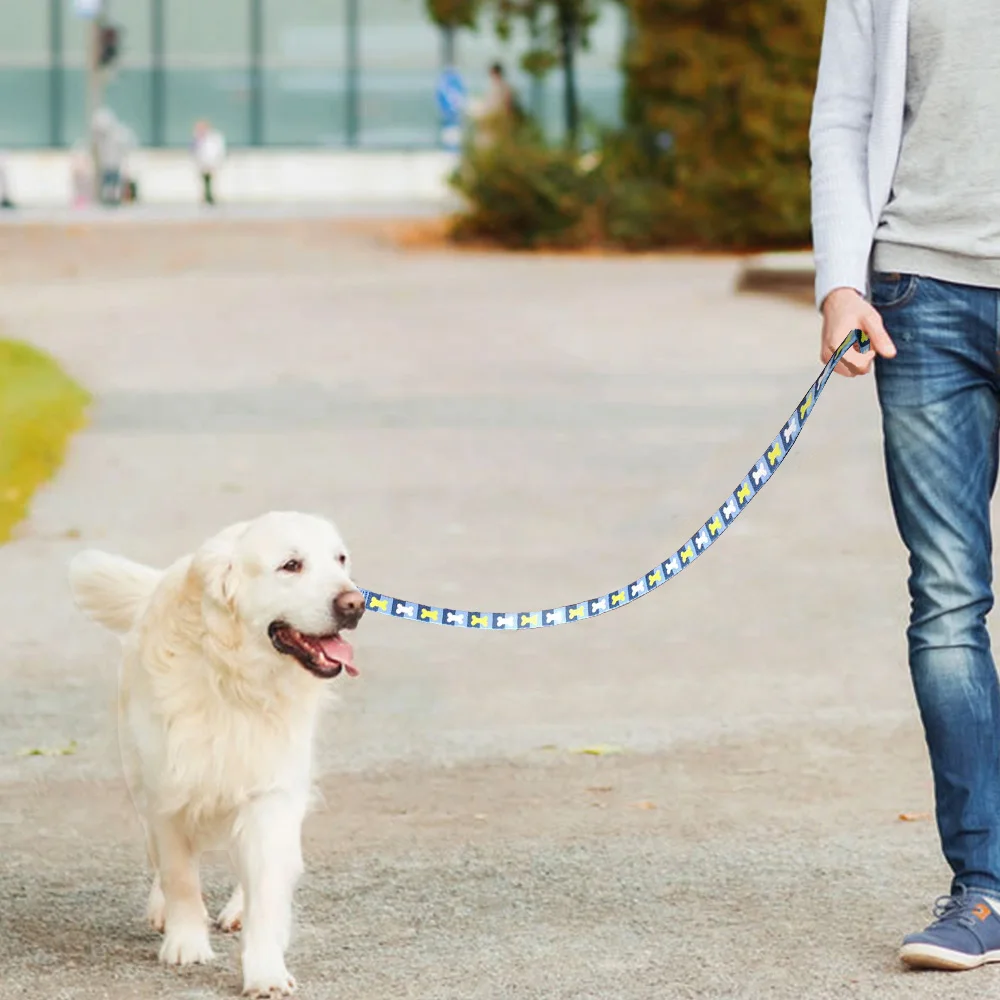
x,y
342,559
292,566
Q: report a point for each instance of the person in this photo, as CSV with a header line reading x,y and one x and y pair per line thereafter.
x,y
113,142
498,110
499,94
209,150
451,98
904,144
81,174
5,198
128,187
110,152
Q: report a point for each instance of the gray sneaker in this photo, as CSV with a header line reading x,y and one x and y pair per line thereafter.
x,y
964,935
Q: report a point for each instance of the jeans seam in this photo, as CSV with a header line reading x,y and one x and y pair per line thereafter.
x,y
996,330
909,292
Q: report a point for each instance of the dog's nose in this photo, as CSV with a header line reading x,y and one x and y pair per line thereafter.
x,y
349,606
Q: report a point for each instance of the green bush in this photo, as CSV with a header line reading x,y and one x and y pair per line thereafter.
x,y
522,193
40,408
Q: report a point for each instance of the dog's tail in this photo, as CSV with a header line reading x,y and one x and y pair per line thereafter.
x,y
111,590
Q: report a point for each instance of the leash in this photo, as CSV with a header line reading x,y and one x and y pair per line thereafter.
x,y
700,542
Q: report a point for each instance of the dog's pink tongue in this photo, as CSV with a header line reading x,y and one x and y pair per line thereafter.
x,y
338,650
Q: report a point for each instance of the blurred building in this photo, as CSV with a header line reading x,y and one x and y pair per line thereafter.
x,y
333,73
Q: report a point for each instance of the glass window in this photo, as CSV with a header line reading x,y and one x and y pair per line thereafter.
x,y
206,68
305,72
25,75
599,68
24,33
400,56
212,32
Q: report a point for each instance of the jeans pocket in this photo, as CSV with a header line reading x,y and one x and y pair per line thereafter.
x,y
892,289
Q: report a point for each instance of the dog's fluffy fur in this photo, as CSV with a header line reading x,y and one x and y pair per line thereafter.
x,y
224,658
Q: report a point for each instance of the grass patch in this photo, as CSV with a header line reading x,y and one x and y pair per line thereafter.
x,y
40,407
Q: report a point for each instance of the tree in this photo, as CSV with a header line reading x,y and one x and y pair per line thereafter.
x,y
558,29
453,13
450,15
726,86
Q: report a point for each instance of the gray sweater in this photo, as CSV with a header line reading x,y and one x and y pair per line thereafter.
x,y
943,217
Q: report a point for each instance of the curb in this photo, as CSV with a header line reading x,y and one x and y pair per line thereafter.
x,y
779,273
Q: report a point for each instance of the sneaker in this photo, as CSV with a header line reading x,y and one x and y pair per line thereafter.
x,y
964,935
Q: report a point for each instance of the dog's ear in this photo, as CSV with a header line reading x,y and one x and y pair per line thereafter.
x,y
218,577
214,569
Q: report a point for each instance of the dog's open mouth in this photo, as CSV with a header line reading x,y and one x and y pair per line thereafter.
x,y
323,655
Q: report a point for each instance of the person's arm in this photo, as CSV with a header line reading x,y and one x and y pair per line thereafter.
x,y
838,141
842,224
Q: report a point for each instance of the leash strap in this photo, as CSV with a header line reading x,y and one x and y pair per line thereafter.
x,y
700,542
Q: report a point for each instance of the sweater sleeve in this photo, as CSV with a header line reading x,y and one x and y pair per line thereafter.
x,y
838,139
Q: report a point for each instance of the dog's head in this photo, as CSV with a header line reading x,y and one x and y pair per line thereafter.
x,y
283,581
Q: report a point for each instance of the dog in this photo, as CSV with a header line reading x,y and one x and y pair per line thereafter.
x,y
226,659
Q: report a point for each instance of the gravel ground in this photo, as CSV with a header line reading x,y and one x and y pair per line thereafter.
x,y
491,431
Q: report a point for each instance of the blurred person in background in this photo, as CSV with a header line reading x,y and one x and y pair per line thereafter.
x,y
499,100
451,99
113,141
498,111
81,175
209,151
5,199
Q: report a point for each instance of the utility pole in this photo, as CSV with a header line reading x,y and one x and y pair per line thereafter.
x,y
95,89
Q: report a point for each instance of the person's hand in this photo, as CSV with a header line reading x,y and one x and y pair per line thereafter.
x,y
844,310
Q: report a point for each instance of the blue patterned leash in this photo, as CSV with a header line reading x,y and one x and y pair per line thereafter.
x,y
706,536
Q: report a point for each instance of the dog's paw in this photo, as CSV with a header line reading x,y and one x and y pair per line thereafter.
x,y
186,946
231,917
156,908
282,986
266,979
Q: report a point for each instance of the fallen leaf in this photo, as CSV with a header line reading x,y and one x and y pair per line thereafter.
x,y
66,751
644,804
914,817
598,750
548,746
72,533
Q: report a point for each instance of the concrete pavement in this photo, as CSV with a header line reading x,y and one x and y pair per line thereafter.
x,y
493,431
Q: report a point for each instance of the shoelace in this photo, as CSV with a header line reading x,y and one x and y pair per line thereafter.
x,y
956,908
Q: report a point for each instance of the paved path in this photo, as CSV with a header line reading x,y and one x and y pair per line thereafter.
x,y
143,213
493,431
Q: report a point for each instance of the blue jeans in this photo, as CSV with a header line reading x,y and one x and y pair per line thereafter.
x,y
940,401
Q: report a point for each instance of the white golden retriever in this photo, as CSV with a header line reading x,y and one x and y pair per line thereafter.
x,y
225,655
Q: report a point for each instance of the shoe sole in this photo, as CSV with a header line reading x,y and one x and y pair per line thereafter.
x,y
929,956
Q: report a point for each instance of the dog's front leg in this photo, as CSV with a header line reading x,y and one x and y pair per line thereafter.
x,y
185,920
269,851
